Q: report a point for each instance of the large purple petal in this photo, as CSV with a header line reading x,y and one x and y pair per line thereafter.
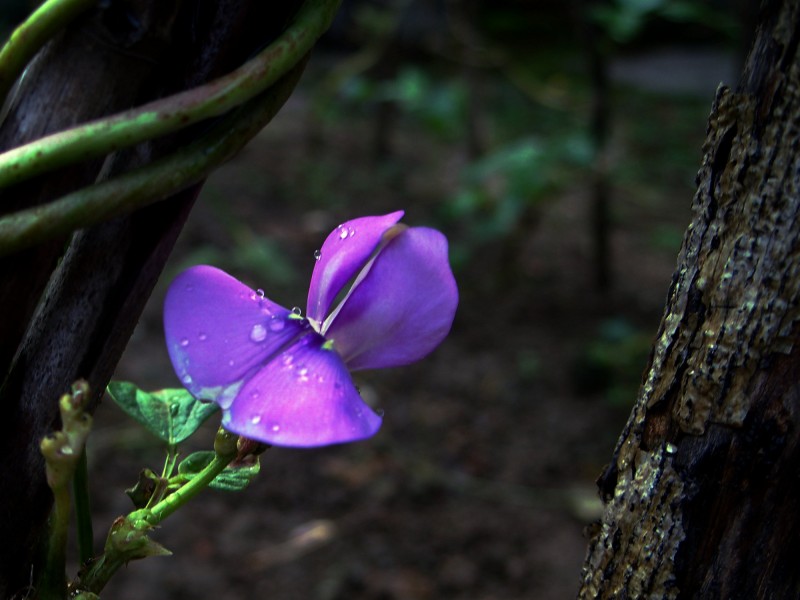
x,y
402,307
304,397
345,251
218,330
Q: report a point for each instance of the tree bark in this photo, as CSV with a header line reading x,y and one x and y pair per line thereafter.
x,y
93,294
702,496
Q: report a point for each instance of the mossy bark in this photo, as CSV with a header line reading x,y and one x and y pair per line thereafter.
x,y
702,496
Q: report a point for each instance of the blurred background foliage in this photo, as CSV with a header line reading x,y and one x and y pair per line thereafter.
x,y
555,144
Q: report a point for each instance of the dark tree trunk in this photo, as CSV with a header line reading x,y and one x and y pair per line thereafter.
x,y
92,295
703,495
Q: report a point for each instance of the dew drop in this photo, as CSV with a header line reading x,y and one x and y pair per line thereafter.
x,y
187,379
202,337
352,232
67,450
343,234
184,342
297,311
258,333
231,362
276,428
260,293
173,409
276,324
317,254
287,360
256,419
302,375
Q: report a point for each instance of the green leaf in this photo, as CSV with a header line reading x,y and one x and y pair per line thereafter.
x,y
235,477
170,414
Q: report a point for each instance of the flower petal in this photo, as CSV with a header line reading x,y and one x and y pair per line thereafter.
x,y
304,397
403,305
344,253
218,331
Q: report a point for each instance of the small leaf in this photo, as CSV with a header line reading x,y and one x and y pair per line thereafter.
x,y
170,414
235,477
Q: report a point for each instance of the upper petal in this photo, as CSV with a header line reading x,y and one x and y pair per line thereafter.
x,y
218,331
401,307
345,251
304,397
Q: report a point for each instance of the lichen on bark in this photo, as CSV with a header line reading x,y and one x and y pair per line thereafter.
x,y
695,485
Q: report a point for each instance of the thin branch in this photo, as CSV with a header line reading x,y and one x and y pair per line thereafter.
x,y
28,38
171,114
147,184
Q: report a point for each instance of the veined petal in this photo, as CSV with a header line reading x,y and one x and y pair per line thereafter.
x,y
218,331
401,307
304,397
344,253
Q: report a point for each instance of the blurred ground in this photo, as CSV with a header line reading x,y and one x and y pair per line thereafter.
x,y
481,482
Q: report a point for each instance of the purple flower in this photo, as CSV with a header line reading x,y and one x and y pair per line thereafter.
x,y
283,379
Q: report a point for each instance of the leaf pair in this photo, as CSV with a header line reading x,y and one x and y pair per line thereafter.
x,y
173,415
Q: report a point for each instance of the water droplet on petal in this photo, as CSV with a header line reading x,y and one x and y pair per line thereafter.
x,y
297,311
258,333
343,233
352,232
260,292
231,362
187,379
276,428
302,375
317,254
276,324
256,419
184,342
202,337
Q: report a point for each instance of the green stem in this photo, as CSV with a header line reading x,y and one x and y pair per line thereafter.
x,y
29,37
147,184
189,490
83,514
53,582
170,114
128,538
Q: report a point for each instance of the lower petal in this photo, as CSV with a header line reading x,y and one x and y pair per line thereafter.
x,y
304,397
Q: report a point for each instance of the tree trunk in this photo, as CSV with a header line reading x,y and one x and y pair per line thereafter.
x,y
702,494
115,57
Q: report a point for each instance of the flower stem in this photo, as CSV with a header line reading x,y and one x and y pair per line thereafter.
x,y
128,539
168,115
29,37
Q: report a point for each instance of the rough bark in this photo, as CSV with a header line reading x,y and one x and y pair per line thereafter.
x,y
93,298
702,494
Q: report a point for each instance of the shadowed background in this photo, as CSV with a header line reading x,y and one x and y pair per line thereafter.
x,y
556,147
